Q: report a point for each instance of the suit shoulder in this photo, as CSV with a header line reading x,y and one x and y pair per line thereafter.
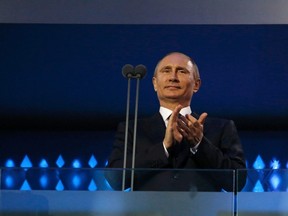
x,y
144,121
150,120
218,121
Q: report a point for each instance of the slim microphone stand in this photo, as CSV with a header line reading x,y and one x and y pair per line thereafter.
x,y
126,133
138,77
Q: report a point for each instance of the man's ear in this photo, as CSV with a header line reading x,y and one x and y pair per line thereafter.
x,y
154,83
197,85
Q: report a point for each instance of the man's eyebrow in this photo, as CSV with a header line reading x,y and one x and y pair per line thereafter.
x,y
165,67
180,67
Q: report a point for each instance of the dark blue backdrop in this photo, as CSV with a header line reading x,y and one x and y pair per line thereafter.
x,y
71,74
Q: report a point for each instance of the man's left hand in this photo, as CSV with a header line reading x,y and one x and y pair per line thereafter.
x,y
192,128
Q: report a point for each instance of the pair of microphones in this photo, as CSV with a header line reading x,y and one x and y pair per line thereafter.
x,y
130,72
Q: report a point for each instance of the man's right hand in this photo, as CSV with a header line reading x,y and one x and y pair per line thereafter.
x,y
172,133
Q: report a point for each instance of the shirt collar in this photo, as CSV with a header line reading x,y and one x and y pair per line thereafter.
x,y
165,113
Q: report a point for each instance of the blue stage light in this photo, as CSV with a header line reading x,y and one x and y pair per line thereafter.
x,y
258,164
26,163
59,186
43,181
76,181
76,163
275,181
10,163
43,164
258,187
92,162
60,162
275,164
92,186
25,186
9,182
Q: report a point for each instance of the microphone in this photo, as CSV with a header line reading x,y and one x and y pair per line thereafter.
x,y
140,71
129,72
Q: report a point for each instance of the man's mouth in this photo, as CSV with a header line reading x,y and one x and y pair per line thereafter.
x,y
172,87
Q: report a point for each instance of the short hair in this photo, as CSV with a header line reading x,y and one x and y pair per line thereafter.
x,y
196,69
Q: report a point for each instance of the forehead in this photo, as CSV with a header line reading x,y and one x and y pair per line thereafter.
x,y
176,60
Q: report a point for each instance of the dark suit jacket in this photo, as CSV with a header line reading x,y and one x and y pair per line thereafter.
x,y
219,149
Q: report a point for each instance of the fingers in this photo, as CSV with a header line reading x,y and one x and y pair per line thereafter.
x,y
187,129
172,132
182,126
192,128
179,127
202,118
199,122
175,113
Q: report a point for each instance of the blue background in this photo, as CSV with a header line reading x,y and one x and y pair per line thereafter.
x,y
74,71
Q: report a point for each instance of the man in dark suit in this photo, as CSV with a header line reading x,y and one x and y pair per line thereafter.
x,y
176,149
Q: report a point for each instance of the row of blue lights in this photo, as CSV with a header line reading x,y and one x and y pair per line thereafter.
x,y
274,163
44,181
26,163
53,179
274,182
269,181
73,180
60,162
260,183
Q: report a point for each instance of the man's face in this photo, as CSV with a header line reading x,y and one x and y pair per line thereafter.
x,y
174,80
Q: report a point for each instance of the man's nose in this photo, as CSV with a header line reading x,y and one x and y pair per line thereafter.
x,y
174,76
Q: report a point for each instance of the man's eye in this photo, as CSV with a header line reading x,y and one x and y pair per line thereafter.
x,y
182,71
166,70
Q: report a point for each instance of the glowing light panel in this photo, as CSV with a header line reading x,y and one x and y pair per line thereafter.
x,y
43,164
92,162
25,186
275,164
76,164
59,186
10,163
76,181
275,181
43,181
259,163
258,187
60,162
26,162
9,182
92,186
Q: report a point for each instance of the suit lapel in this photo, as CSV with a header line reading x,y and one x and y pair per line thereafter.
x,y
155,128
